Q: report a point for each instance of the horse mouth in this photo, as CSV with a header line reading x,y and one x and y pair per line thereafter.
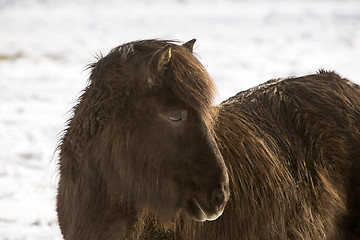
x,y
199,212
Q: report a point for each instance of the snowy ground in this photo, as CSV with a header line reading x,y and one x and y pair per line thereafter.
x,y
45,46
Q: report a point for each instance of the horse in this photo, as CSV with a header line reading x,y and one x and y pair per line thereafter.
x,y
147,154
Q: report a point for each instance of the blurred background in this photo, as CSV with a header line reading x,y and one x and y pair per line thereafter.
x,y
45,46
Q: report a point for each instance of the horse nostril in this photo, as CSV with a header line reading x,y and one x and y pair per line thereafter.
x,y
217,198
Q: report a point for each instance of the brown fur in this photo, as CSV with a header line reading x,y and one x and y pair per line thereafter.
x,y
291,149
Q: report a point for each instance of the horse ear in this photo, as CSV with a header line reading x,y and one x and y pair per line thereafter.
x,y
161,59
158,64
190,45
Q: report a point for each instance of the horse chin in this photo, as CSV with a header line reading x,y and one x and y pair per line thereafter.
x,y
196,211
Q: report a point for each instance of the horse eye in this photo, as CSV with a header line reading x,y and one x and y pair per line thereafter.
x,y
176,117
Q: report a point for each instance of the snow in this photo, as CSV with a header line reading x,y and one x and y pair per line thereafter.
x,y
45,46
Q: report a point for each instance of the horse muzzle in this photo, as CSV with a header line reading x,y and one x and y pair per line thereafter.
x,y
209,208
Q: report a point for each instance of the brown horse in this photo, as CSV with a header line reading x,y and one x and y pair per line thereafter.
x,y
147,156
141,142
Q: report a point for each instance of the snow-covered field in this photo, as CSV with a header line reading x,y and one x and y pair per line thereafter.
x,y
45,46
